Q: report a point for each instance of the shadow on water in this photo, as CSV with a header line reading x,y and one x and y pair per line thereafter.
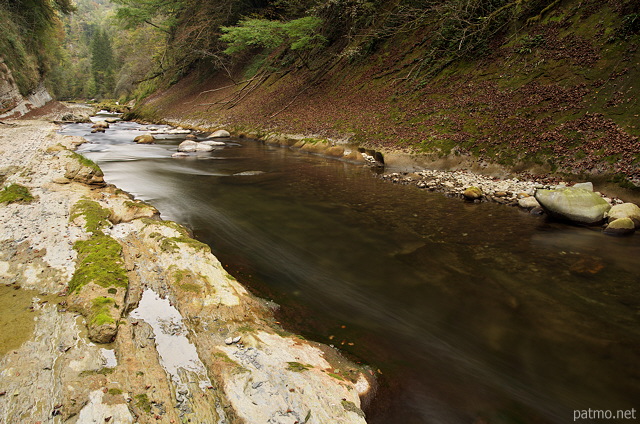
x,y
469,313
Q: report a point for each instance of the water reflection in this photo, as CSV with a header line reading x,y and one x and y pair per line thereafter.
x,y
472,313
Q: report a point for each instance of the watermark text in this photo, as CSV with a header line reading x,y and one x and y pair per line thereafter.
x,y
604,414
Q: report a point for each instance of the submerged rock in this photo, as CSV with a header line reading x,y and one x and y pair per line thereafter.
x,y
248,173
573,204
620,227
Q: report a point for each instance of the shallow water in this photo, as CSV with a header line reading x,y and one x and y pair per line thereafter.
x,y
467,312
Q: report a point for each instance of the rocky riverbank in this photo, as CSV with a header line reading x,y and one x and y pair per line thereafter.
x,y
115,290
544,195
570,202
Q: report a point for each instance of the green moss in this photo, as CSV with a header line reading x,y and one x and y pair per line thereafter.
x,y
114,391
86,162
224,357
101,311
336,376
170,244
246,329
351,407
169,224
95,216
15,193
100,262
138,205
142,402
190,287
298,367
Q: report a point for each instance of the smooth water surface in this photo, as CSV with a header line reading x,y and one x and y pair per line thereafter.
x,y
468,313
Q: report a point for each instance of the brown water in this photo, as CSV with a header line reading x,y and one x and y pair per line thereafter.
x,y
468,313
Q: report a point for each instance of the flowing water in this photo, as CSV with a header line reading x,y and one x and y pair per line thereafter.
x,y
467,313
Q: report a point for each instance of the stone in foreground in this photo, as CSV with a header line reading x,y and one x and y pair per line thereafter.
x,y
625,210
573,204
620,227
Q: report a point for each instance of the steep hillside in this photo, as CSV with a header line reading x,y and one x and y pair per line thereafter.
x,y
555,92
30,38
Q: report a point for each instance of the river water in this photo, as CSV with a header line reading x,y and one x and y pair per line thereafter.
x,y
467,313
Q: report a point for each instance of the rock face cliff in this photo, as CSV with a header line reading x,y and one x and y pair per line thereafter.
x,y
12,103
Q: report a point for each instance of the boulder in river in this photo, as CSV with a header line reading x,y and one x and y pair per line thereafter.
x,y
188,146
213,143
201,147
191,137
144,139
220,134
100,124
573,204
625,210
620,227
472,193
528,202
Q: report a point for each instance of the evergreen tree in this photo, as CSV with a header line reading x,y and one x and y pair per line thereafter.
x,y
102,63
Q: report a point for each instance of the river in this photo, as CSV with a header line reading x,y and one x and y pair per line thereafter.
x,y
467,313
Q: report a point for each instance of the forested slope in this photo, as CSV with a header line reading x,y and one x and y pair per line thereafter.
x,y
544,86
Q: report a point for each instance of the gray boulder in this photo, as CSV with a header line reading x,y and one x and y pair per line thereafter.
x,y
620,227
586,186
203,147
188,146
528,203
213,143
573,204
220,134
625,210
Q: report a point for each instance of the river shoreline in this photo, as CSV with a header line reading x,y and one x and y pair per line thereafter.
x,y
451,175
253,370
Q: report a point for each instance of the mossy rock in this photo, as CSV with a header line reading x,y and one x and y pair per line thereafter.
x,y
16,193
144,139
620,227
99,262
95,216
472,193
573,204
